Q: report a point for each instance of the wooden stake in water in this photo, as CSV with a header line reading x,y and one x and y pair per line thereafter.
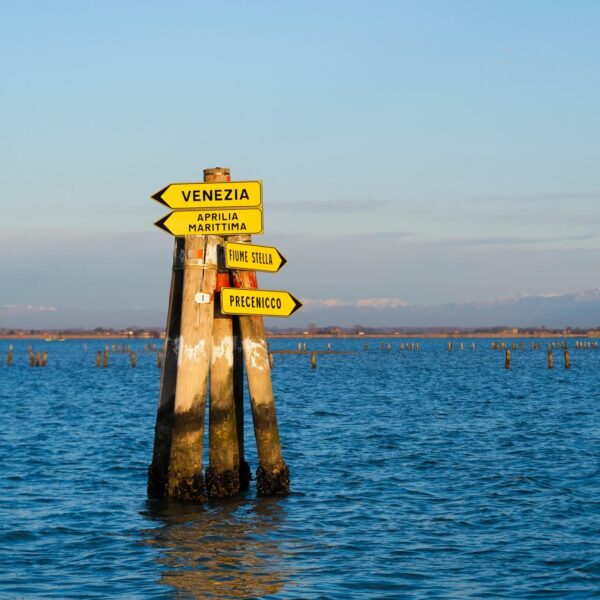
x,y
507,360
186,479
313,360
163,431
550,358
272,476
567,359
223,472
133,359
9,356
45,358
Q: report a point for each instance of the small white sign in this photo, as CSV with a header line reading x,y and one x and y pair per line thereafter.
x,y
202,298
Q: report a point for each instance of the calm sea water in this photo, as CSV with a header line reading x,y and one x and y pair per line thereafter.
x,y
415,475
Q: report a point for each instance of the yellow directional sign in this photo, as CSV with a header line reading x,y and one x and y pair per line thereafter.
x,y
270,303
203,196
215,222
249,257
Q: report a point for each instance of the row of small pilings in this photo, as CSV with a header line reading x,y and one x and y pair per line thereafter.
x,y
36,359
102,358
566,354
40,359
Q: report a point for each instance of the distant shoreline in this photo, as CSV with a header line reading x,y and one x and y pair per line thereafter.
x,y
271,335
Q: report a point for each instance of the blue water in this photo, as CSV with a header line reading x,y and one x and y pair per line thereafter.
x,y
423,474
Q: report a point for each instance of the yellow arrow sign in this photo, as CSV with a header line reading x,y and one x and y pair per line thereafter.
x,y
270,303
203,196
249,257
216,222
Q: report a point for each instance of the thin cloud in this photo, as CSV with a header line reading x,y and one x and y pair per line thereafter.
x,y
328,206
20,309
516,240
374,303
540,197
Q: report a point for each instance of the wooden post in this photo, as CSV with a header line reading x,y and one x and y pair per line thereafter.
x,y
9,356
31,357
271,360
45,358
133,360
567,359
105,362
223,472
550,358
507,360
159,358
238,394
163,431
272,476
313,360
186,480
38,359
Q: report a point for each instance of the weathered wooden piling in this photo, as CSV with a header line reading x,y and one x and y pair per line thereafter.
x,y
272,476
271,360
163,430
38,359
550,359
313,360
567,359
238,394
105,358
31,357
223,472
450,345
133,359
45,358
507,360
185,476
9,356
159,359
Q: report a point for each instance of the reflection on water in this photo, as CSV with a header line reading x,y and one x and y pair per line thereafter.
x,y
224,551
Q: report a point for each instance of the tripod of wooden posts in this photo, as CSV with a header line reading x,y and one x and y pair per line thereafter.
x,y
202,343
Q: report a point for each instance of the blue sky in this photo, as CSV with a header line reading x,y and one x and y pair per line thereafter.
x,y
425,151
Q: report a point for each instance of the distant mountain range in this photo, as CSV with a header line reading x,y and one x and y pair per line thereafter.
x,y
554,311
581,309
